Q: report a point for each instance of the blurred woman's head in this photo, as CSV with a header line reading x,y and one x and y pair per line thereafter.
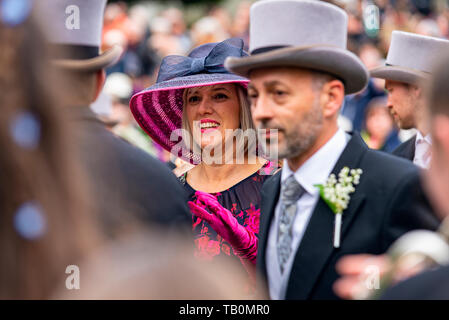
x,y
378,120
44,226
207,30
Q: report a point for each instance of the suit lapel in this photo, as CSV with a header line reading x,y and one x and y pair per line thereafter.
x,y
317,243
411,149
406,149
270,196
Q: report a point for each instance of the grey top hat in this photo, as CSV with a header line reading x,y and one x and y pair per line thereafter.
x,y
411,57
301,33
73,28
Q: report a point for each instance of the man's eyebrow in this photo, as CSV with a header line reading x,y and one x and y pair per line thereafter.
x,y
272,83
250,86
267,84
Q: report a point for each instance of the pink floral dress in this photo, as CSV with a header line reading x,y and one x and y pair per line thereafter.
x,y
243,200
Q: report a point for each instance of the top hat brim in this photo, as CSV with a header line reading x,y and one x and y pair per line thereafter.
x,y
400,74
106,59
333,60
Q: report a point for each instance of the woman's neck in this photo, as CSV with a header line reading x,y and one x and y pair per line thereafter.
x,y
218,172
218,177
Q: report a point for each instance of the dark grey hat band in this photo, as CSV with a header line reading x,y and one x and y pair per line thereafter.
x,y
73,52
392,65
267,49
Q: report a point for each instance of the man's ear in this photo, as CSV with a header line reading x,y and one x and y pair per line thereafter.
x,y
100,80
333,93
417,91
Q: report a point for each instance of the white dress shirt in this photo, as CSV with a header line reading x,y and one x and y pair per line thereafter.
x,y
422,150
315,170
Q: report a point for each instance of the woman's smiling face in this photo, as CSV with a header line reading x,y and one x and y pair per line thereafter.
x,y
212,110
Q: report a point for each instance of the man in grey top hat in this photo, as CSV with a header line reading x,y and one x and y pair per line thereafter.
x,y
409,63
300,70
127,184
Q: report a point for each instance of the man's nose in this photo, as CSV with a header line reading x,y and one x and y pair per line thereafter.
x,y
389,102
261,109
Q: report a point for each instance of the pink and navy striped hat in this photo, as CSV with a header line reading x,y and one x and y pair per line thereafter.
x,y
158,109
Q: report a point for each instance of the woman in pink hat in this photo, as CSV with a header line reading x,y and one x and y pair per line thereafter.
x,y
192,111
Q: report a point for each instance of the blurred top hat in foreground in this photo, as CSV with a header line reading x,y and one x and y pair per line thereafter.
x,y
74,29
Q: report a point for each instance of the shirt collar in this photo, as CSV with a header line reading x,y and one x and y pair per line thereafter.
x,y
420,137
319,166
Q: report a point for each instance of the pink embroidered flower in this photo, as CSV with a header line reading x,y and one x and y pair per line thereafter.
x,y
204,228
253,219
213,248
268,168
226,248
196,221
206,249
240,215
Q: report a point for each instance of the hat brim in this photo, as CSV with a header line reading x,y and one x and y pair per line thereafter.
x,y
158,109
106,59
399,74
336,61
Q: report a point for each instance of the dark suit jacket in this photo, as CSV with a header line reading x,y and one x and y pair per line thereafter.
x,y
387,203
406,149
126,182
429,285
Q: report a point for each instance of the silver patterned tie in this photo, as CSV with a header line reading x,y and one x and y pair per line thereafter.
x,y
291,191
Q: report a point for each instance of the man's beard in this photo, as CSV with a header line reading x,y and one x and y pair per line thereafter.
x,y
302,136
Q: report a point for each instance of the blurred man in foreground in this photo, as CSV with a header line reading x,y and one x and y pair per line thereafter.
x,y
128,184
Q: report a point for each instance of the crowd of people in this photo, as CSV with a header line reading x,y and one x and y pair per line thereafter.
x,y
150,31
274,153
